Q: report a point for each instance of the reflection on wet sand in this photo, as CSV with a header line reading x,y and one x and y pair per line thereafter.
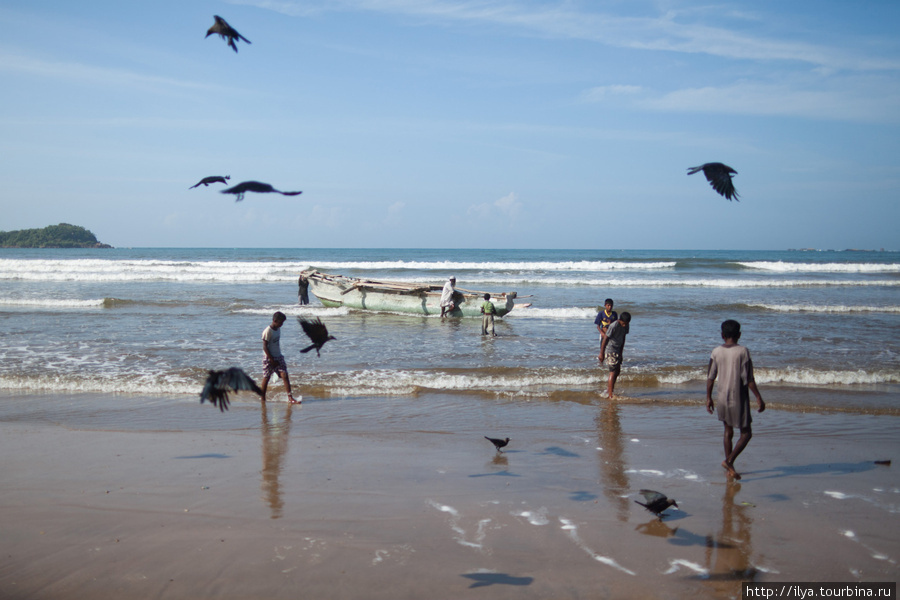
x,y
612,458
728,554
275,434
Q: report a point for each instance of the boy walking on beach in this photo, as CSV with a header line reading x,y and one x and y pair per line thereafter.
x,y
487,321
731,363
273,362
605,317
611,349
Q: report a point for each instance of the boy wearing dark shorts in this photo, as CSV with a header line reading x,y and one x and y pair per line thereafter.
x,y
273,361
611,349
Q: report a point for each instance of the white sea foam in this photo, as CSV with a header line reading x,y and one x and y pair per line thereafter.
x,y
52,303
553,313
538,517
295,310
571,530
819,308
503,273
454,266
790,267
461,537
109,270
809,377
147,384
837,495
80,375
676,563
673,474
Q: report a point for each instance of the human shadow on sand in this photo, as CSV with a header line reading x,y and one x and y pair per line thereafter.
x,y
486,579
560,452
582,496
813,469
204,456
498,473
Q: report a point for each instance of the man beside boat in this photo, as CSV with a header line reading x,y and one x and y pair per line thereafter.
x,y
448,297
403,297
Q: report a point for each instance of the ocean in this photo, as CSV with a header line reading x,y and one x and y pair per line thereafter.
x,y
821,326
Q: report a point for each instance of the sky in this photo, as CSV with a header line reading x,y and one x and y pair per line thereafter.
x,y
454,123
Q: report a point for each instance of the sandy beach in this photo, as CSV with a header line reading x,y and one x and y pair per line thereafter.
x,y
403,498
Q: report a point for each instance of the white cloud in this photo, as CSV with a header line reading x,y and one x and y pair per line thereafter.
x,y
660,31
853,103
93,75
394,213
508,208
596,94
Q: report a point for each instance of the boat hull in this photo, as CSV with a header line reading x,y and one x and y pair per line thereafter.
x,y
396,297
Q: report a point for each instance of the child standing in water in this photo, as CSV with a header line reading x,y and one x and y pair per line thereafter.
x,y
487,321
273,361
605,317
611,349
731,364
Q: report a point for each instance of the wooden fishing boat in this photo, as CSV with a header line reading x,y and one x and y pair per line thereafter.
x,y
400,297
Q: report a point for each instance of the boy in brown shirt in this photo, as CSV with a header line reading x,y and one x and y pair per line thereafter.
x,y
731,363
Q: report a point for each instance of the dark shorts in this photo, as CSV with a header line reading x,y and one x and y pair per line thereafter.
x,y
276,365
613,360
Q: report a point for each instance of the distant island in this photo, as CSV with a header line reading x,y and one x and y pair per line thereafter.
x,y
53,236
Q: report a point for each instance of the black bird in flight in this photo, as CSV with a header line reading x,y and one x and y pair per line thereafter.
x,y
719,177
656,502
219,383
497,443
316,331
227,32
255,186
211,179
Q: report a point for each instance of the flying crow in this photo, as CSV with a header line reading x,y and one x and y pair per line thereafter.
x,y
219,383
719,177
255,186
317,332
211,179
227,32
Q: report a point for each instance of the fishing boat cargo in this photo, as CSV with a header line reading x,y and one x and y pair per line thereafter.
x,y
399,297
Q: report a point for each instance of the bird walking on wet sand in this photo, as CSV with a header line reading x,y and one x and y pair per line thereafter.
x,y
211,179
719,177
656,502
316,331
226,31
498,444
255,186
219,383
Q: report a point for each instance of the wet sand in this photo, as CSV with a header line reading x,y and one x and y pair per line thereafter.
x,y
109,497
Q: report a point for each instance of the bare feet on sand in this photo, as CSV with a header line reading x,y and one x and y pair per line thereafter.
x,y
730,468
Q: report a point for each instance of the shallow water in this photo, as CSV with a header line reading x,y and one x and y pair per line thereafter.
x,y
820,325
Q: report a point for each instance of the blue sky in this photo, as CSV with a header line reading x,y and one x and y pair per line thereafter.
x,y
454,123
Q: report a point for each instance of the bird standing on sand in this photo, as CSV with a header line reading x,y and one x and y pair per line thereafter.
x,y
719,177
254,186
316,331
211,179
226,31
219,383
656,502
497,443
